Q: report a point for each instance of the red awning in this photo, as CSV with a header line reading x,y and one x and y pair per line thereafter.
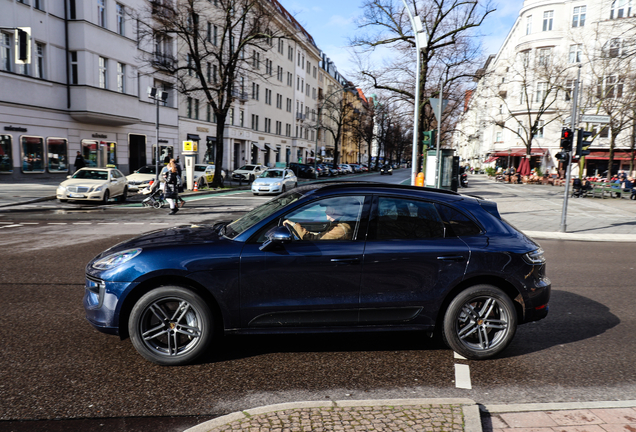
x,y
521,151
491,159
604,155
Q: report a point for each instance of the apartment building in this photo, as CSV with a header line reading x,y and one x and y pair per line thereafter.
x,y
83,91
528,86
87,90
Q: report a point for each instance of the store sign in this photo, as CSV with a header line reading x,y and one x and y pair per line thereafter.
x,y
96,135
15,129
190,146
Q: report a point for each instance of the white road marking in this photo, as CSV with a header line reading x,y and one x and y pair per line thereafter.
x,y
29,223
107,223
7,223
11,226
458,356
133,223
462,376
159,223
56,223
82,223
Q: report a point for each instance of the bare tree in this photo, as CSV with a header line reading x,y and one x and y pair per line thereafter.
x,y
211,60
447,55
335,114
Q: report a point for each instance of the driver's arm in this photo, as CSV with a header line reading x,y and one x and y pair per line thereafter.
x,y
296,227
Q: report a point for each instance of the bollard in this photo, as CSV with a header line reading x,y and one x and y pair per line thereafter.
x,y
419,180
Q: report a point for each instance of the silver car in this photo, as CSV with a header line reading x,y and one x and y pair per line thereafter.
x,y
274,181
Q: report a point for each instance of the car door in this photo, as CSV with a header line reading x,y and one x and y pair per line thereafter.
x,y
409,263
306,283
117,183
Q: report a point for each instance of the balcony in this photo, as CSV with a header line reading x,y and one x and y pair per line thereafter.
x,y
163,61
240,95
300,116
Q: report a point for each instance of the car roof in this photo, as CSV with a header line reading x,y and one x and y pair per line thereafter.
x,y
373,187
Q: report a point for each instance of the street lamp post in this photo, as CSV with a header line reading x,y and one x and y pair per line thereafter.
x,y
157,95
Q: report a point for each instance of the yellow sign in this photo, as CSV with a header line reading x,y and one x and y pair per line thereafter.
x,y
190,146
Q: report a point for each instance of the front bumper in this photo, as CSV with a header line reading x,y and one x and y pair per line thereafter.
x,y
266,189
64,194
102,303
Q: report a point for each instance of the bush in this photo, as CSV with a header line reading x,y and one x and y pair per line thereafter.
x,y
491,171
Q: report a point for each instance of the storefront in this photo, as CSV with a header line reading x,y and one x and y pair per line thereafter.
x,y
597,162
513,156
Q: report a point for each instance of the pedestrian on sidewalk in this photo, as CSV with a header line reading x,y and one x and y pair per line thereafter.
x,y
171,185
180,201
79,161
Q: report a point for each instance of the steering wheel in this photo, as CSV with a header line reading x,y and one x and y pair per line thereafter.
x,y
292,230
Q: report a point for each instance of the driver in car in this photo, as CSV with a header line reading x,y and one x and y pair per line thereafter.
x,y
336,230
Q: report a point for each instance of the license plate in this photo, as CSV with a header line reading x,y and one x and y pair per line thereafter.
x,y
75,195
264,189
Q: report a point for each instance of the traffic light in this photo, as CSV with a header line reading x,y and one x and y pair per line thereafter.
x,y
582,144
561,155
428,138
23,45
567,138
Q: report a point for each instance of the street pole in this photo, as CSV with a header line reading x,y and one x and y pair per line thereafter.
x,y
568,176
417,28
438,162
157,139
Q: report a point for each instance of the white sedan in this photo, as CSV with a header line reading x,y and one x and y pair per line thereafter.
x,y
94,184
141,178
274,181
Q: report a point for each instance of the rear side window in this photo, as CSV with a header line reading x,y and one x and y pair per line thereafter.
x,y
406,219
456,223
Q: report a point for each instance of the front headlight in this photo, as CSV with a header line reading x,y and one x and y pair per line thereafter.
x,y
535,257
97,188
276,184
114,260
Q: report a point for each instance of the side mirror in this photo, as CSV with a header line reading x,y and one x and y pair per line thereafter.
x,y
277,236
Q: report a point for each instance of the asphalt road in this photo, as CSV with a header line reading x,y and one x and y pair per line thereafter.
x,y
55,366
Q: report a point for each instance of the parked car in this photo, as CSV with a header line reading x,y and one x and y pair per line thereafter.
x,y
356,168
346,168
364,167
406,258
386,169
247,172
93,184
274,181
202,170
141,178
302,170
330,170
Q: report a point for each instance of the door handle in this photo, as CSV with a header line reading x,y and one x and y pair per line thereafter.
x,y
346,260
451,258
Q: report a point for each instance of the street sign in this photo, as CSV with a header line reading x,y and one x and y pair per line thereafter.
x,y
589,118
435,105
585,118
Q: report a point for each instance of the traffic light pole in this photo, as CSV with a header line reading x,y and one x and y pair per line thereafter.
x,y
563,228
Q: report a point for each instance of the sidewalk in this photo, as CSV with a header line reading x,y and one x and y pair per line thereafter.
x,y
406,415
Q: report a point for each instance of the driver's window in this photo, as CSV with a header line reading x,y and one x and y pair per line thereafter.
x,y
327,219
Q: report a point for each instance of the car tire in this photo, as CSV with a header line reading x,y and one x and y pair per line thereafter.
x,y
171,326
106,196
295,185
255,194
124,196
283,190
63,200
480,322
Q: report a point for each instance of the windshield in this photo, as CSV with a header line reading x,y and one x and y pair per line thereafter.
x,y
147,170
259,213
91,175
272,174
248,167
200,168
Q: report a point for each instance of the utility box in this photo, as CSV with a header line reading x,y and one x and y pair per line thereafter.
x,y
449,169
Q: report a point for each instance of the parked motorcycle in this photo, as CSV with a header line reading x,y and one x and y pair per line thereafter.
x,y
463,177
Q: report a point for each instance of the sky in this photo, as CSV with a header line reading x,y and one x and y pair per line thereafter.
x,y
332,23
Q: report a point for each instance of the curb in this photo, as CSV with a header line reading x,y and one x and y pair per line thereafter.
x,y
556,406
472,419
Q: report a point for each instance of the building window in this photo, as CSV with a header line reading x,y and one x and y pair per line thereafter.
x,y
6,152
499,137
196,109
279,101
39,60
121,20
121,78
5,52
242,118
279,128
528,24
289,105
268,96
544,56
74,67
38,4
290,79
578,16
609,87
189,107
281,47
256,60
103,73
290,53
539,133
575,53
256,89
542,89
614,48
57,151
101,13
268,125
548,17
569,89
621,9
254,122
288,130
32,153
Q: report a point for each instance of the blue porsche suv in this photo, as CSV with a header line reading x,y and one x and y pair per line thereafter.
x,y
325,257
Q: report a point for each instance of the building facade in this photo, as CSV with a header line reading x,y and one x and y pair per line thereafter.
x,y
87,90
525,92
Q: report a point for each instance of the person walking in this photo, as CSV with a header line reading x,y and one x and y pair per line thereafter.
x,y
181,201
171,187
79,161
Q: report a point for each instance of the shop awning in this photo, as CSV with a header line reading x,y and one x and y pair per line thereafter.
x,y
520,151
260,146
604,155
272,148
491,159
194,137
